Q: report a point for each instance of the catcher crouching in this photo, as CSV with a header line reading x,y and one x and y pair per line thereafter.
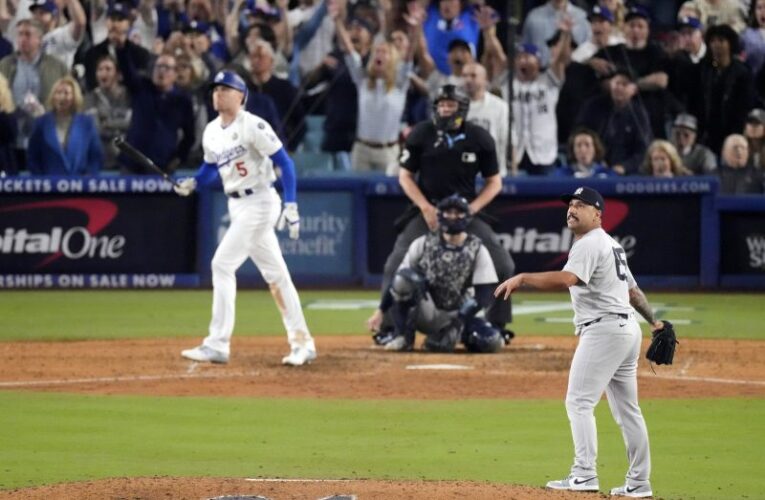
x,y
445,280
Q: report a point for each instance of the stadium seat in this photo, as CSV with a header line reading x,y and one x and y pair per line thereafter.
x,y
314,133
309,163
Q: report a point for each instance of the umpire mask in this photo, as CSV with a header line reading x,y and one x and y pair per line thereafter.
x,y
455,120
454,225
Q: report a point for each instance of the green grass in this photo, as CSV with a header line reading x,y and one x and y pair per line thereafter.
x,y
703,449
69,315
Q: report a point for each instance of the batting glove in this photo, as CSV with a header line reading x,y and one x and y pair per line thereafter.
x,y
186,186
290,219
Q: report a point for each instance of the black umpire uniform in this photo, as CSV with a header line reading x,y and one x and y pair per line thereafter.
x,y
447,161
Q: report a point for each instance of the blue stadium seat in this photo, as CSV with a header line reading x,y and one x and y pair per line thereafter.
x,y
309,163
314,133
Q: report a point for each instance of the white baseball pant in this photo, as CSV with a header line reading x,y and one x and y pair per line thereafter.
x,y
606,359
251,234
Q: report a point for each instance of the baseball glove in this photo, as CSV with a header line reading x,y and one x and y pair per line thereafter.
x,y
662,348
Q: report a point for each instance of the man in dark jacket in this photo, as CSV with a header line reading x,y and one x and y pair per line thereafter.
x,y
160,111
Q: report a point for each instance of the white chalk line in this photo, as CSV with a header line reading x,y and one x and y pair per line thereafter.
x,y
126,378
687,378
279,480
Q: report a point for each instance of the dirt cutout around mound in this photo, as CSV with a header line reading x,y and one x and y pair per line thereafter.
x,y
206,488
352,368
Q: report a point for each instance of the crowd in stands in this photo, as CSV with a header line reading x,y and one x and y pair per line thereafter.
x,y
609,88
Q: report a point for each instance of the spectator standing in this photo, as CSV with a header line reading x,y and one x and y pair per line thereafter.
x,y
694,156
31,75
487,111
603,34
543,21
118,26
535,96
737,174
686,63
60,41
585,156
662,160
621,121
283,93
448,20
109,105
64,141
753,37
754,131
648,63
727,88
162,125
143,16
8,131
382,88
313,33
459,54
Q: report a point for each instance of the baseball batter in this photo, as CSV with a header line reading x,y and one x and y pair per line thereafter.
x,y
603,293
240,150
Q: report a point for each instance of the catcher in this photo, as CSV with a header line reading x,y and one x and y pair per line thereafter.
x,y
445,280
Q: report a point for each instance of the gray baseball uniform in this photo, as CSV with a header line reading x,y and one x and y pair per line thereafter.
x,y
606,357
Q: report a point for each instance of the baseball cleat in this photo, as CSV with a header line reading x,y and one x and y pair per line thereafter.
x,y
205,354
575,483
398,344
642,491
299,356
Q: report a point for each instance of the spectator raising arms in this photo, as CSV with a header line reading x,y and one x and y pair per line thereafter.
x,y
382,88
662,160
64,141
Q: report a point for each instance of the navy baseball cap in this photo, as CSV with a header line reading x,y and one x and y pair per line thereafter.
x,y
602,12
689,22
637,11
119,10
47,5
195,26
529,48
587,195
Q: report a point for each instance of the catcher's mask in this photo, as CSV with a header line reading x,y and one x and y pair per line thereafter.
x,y
451,224
455,120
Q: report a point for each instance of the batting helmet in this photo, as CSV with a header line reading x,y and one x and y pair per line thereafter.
x,y
232,80
450,225
457,119
479,336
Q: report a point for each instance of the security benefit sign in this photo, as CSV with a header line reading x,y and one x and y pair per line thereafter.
x,y
87,236
742,238
325,245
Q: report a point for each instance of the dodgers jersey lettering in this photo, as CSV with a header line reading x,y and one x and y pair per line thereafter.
x,y
241,150
600,263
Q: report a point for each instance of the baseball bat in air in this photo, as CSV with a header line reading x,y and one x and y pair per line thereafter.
x,y
141,159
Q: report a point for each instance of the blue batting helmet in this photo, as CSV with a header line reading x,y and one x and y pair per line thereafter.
x,y
232,80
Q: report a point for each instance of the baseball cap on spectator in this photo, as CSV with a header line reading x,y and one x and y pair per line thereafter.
x,y
602,12
364,23
622,71
47,5
119,10
684,120
725,32
587,195
195,26
459,43
757,115
690,22
530,49
637,11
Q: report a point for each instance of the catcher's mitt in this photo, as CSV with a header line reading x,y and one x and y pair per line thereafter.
x,y
662,348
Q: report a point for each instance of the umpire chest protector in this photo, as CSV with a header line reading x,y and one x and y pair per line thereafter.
x,y
448,269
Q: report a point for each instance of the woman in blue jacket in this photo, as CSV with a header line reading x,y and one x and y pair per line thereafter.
x,y
64,141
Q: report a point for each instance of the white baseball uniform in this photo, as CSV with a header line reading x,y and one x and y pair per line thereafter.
x,y
241,151
535,126
606,357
